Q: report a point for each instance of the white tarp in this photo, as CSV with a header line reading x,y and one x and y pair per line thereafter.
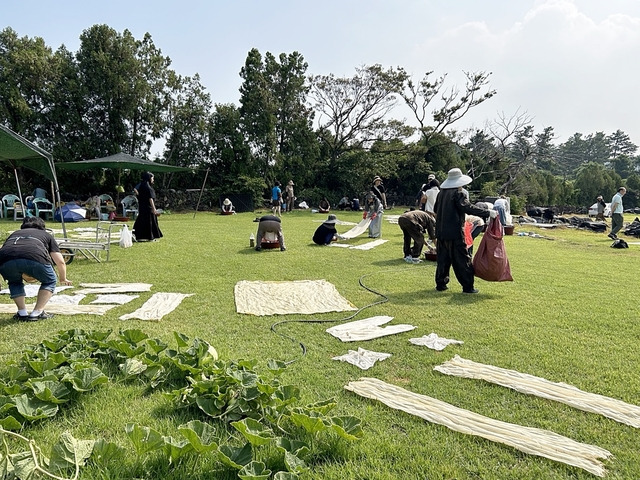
x,y
159,305
367,329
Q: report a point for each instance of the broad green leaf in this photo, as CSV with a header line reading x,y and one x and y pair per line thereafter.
x,y
6,404
347,427
17,373
51,391
181,339
294,464
144,439
209,405
85,379
287,393
10,423
276,366
202,436
285,476
132,367
311,421
97,335
105,452
23,465
69,452
247,364
55,345
254,471
298,448
34,409
324,406
175,449
133,335
156,345
129,350
43,366
235,457
255,432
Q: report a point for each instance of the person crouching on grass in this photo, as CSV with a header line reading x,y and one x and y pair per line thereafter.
x,y
27,254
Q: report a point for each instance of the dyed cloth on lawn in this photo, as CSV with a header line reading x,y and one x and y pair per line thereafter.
x,y
529,440
364,359
560,392
159,305
367,329
364,246
66,299
358,230
282,298
118,298
62,309
31,289
114,288
434,342
392,218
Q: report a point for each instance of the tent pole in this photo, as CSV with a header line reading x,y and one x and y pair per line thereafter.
x,y
201,190
24,207
57,202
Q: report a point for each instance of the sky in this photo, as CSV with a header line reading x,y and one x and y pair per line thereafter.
x,y
573,65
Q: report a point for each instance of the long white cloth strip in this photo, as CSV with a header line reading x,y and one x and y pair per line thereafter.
x,y
66,299
529,440
367,329
90,288
560,392
434,342
369,245
358,230
392,218
31,290
341,245
361,358
282,298
157,306
62,309
119,298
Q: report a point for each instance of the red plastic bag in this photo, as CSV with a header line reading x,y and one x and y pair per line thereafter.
x,y
490,262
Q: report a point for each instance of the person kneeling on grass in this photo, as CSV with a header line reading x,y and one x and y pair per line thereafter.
x,y
27,254
326,233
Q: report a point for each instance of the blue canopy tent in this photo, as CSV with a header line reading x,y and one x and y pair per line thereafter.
x,y
17,151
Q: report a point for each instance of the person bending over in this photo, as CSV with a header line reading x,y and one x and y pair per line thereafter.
x,y
269,224
27,254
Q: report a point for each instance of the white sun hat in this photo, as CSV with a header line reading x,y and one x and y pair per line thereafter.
x,y
456,179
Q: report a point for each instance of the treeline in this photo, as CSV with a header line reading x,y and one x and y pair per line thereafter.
x,y
329,134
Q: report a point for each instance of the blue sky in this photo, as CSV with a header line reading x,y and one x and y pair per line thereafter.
x,y
569,64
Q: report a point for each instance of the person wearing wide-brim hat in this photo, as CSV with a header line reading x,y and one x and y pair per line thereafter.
x,y
450,208
291,198
326,232
227,207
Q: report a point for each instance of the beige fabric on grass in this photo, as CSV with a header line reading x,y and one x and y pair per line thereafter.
x,y
99,288
282,298
66,299
361,358
560,392
369,245
529,440
61,309
357,230
367,329
157,306
434,342
31,289
119,298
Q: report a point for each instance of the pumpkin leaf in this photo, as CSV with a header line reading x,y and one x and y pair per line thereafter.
x,y
144,439
254,431
235,457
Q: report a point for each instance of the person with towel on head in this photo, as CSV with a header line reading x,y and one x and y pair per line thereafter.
x,y
269,224
451,206
227,207
600,207
326,232
291,198
414,224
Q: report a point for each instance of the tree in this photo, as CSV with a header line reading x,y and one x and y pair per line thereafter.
x,y
594,179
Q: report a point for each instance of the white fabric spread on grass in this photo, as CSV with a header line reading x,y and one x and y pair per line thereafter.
x,y
392,218
62,309
369,245
31,289
341,245
434,342
358,230
66,299
118,298
90,288
560,392
157,306
364,359
529,440
282,298
367,329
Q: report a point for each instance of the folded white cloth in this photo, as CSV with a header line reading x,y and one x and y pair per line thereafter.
x,y
434,342
367,329
364,359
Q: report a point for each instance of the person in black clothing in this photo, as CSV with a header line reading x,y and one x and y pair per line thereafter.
x,y
326,233
451,207
28,254
146,228
414,224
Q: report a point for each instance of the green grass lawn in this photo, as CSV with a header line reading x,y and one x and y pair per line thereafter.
x,y
570,315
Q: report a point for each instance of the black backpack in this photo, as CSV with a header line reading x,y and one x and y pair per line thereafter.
x,y
619,243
